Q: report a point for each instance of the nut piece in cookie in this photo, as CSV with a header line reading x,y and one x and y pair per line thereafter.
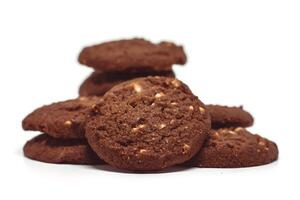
x,y
144,130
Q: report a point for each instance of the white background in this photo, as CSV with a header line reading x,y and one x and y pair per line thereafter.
x,y
239,53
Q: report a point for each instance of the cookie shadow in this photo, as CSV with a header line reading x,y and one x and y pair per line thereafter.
x,y
109,168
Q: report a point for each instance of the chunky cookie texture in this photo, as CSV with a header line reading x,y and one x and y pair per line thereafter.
x,y
63,119
51,150
224,116
148,124
132,55
233,148
98,82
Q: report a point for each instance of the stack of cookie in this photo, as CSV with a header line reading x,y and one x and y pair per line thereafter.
x,y
144,124
118,61
62,139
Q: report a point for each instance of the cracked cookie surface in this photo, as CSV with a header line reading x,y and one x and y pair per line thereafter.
x,y
234,148
63,119
148,124
52,150
132,55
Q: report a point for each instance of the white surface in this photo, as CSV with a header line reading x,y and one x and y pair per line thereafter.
x,y
240,52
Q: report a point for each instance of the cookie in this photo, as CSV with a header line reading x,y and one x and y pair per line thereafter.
x,y
51,150
63,119
98,83
148,124
224,116
132,55
233,148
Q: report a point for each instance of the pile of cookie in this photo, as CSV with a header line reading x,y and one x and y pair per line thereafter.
x,y
133,114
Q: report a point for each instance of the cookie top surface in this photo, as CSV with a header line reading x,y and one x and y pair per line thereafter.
x,y
225,117
148,124
63,119
52,150
98,82
132,55
235,147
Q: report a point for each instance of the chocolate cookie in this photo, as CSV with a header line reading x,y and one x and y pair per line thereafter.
x,y
148,124
235,147
51,150
61,120
224,117
132,55
98,83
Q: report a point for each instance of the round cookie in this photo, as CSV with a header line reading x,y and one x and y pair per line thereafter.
x,y
63,119
224,116
148,124
98,83
132,55
233,148
51,150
